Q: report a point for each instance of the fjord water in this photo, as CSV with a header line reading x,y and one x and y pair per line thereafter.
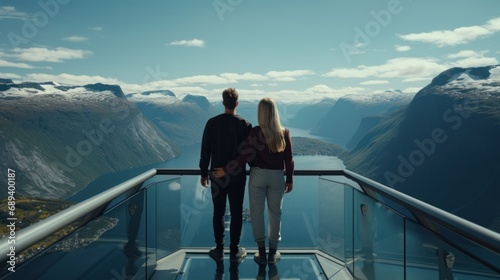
x,y
189,159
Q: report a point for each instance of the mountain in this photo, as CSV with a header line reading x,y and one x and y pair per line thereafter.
x,y
248,109
367,123
59,138
343,119
200,101
443,148
309,115
182,121
6,81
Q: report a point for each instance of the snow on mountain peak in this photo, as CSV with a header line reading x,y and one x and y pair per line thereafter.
x,y
379,97
31,89
484,78
158,97
468,76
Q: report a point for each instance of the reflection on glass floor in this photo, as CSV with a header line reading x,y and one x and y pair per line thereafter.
x,y
291,266
199,266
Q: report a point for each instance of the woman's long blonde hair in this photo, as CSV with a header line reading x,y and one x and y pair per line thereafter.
x,y
269,122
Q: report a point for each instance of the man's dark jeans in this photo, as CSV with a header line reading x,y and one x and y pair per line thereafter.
x,y
235,191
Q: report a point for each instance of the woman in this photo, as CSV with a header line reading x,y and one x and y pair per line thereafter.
x,y
268,150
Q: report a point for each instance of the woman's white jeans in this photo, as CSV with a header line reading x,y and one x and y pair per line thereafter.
x,y
266,184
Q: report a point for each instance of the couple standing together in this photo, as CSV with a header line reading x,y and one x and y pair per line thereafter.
x,y
229,143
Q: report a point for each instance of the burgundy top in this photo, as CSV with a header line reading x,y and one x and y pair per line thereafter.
x,y
256,152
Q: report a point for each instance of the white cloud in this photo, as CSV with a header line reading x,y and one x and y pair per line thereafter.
x,y
70,79
39,54
232,78
4,63
9,12
324,90
475,62
418,79
462,54
189,43
393,68
493,24
374,82
288,75
400,48
76,39
470,58
201,79
319,89
10,76
244,77
310,94
412,89
457,36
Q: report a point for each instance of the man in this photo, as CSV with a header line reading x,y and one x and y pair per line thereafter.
x,y
222,136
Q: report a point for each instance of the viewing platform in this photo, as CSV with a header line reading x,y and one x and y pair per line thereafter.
x,y
336,224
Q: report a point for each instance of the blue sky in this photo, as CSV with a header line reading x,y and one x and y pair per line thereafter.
x,y
291,50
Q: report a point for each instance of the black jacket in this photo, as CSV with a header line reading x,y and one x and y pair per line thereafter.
x,y
221,142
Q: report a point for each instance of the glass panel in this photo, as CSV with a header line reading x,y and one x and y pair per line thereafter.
x,y
193,214
300,221
429,257
111,246
396,206
335,219
465,245
378,240
196,212
168,212
299,218
349,227
299,227
151,230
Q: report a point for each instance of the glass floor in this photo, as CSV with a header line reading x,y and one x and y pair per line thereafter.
x,y
296,266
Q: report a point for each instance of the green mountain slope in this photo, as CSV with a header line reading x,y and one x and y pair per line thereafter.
x,y
58,141
443,148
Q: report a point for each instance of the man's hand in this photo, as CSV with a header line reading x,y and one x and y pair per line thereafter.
x,y
204,181
288,187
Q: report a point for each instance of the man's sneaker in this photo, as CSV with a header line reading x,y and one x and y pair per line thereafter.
x,y
260,259
238,256
216,254
273,259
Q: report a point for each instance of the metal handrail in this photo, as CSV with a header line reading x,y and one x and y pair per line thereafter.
x,y
167,171
37,232
30,235
482,236
475,233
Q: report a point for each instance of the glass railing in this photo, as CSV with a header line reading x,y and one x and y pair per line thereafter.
x,y
373,233
378,242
